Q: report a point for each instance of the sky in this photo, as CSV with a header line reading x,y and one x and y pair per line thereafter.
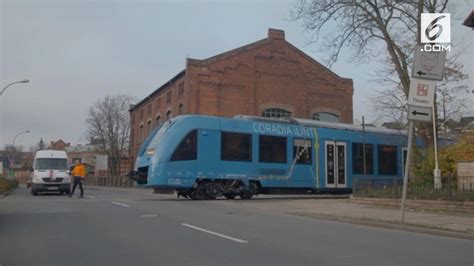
x,y
76,52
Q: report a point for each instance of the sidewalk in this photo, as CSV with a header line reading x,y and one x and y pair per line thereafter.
x,y
444,223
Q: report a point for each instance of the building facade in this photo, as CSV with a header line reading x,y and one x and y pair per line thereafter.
x,y
270,78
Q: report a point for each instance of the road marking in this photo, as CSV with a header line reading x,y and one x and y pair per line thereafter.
x,y
214,233
90,197
148,215
121,204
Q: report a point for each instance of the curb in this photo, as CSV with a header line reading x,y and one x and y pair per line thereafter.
x,y
392,225
433,205
7,193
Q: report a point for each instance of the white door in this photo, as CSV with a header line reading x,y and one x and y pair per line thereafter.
x,y
336,172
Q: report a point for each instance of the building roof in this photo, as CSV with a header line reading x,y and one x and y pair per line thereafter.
x,y
272,34
171,81
228,54
469,21
58,145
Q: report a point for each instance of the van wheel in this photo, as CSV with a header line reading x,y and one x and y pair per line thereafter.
x,y
34,192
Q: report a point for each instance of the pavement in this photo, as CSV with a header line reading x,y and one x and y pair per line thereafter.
x,y
456,224
135,227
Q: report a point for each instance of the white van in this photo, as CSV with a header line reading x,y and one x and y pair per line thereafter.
x,y
50,172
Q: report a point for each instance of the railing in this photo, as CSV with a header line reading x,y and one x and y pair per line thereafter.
x,y
108,181
392,188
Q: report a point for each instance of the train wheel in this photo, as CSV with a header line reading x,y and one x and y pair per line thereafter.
x,y
246,194
229,196
199,193
213,190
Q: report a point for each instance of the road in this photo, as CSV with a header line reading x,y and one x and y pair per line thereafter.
x,y
134,227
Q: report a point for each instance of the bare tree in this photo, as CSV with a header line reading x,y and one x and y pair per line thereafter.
x,y
108,124
13,153
374,30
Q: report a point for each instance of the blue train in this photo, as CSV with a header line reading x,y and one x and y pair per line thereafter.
x,y
204,157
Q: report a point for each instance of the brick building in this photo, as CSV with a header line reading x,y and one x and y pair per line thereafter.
x,y
270,78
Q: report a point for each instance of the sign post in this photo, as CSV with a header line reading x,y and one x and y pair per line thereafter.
x,y
437,171
420,108
407,171
428,65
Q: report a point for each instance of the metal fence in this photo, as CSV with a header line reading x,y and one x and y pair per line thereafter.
x,y
392,188
109,181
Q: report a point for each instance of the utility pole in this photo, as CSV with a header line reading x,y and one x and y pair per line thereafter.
x,y
422,91
363,145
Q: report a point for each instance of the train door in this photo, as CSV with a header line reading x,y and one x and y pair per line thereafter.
x,y
209,154
336,166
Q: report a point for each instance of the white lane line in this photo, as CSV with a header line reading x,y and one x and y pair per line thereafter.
x,y
90,197
214,233
148,215
121,204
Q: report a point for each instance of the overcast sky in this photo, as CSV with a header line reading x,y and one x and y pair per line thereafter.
x,y
75,52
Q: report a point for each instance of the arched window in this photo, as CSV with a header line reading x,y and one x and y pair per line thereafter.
x,y
180,109
141,136
325,116
148,127
276,113
168,115
158,121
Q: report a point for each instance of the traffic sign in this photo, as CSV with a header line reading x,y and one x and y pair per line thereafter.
x,y
418,113
422,92
428,65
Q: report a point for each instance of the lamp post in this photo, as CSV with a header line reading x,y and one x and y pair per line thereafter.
x,y
13,150
20,81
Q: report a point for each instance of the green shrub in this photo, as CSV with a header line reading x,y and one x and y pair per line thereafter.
x,y
7,184
448,156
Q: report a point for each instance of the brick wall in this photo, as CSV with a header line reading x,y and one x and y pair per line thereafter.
x,y
265,74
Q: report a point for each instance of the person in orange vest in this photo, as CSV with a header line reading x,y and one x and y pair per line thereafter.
x,y
78,173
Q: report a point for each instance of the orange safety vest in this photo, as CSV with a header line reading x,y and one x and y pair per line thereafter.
x,y
79,170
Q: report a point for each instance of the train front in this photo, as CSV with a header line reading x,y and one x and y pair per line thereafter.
x,y
151,166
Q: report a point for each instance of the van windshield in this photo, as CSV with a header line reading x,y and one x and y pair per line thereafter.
x,y
51,164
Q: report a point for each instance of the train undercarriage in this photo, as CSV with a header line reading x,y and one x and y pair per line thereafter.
x,y
209,189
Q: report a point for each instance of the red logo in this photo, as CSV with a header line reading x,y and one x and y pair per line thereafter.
x,y
422,90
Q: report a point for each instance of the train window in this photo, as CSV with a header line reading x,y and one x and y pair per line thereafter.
x,y
387,160
236,147
187,149
358,159
302,151
272,149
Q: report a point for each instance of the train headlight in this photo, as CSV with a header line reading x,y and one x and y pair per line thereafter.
x,y
150,152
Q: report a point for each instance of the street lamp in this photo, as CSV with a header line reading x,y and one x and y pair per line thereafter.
x,y
20,81
14,138
13,148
